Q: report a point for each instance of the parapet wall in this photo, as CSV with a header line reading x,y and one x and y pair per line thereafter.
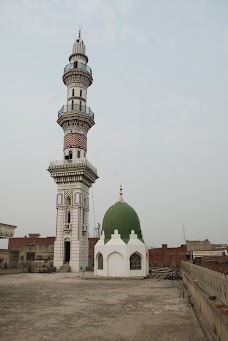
x,y
214,282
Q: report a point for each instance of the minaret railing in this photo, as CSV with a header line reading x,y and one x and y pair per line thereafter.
x,y
77,163
82,109
78,66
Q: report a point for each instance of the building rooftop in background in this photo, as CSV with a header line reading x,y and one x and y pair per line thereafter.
x,y
6,230
203,245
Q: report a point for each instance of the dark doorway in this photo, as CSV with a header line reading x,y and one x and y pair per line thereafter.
x,y
67,252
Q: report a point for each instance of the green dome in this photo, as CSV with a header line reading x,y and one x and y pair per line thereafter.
x,y
122,217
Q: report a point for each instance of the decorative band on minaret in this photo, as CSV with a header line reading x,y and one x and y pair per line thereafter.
x,y
74,174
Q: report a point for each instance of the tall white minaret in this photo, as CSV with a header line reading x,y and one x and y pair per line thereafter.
x,y
74,174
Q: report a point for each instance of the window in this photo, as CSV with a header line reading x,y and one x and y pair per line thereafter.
x,y
100,261
75,65
80,106
78,154
135,261
81,93
73,92
68,217
30,255
72,105
59,199
70,155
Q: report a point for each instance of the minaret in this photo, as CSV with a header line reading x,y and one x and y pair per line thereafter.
x,y
74,174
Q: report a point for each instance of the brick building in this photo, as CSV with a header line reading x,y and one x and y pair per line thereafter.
x,y
167,256
31,247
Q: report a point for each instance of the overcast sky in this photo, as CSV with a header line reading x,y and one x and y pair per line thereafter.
x,y
160,102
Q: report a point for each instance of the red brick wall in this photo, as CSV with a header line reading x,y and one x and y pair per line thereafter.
x,y
218,263
16,243
92,242
165,256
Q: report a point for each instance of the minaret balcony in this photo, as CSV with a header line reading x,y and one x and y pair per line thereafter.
x,y
72,164
76,108
77,66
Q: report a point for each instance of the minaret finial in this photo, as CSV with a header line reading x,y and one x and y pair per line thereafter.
x,y
79,33
121,194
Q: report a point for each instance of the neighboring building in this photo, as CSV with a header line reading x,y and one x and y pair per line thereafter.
x,y
167,256
74,175
198,249
199,245
121,251
31,248
6,230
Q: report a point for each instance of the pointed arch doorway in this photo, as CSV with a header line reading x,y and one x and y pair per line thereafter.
x,y
66,251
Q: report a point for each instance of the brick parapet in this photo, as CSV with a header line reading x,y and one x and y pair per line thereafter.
x,y
17,243
165,256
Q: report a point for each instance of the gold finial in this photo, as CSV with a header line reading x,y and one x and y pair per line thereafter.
x,y
121,194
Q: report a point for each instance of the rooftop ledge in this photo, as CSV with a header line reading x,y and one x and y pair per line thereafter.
x,y
77,163
6,230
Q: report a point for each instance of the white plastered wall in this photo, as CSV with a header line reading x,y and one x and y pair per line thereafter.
x,y
79,246
116,256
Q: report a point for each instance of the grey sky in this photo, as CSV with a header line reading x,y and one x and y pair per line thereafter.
x,y
160,102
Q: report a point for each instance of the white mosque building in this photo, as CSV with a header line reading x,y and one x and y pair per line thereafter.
x,y
121,251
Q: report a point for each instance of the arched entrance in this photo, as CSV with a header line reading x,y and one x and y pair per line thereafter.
x,y
115,265
67,251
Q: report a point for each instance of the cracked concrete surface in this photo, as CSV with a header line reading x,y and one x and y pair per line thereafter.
x,y
46,307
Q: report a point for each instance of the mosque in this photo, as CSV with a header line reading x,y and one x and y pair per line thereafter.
x,y
120,251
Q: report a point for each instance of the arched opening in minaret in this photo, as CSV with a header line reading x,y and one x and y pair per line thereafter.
x,y
72,105
67,251
68,217
70,155
75,65
78,154
72,92
81,93
68,201
80,105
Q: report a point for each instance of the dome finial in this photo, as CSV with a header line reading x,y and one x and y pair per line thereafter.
x,y
121,194
79,33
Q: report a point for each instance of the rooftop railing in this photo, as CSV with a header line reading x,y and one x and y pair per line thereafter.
x,y
79,66
82,109
70,163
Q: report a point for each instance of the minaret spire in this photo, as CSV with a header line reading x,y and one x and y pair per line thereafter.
x,y
121,194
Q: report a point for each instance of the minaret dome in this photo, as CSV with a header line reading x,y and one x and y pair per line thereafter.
x,y
79,48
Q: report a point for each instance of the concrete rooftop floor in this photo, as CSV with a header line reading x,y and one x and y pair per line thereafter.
x,y
42,307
